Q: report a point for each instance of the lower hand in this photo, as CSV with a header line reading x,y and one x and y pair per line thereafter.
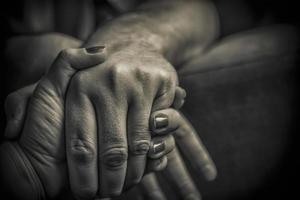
x,y
52,89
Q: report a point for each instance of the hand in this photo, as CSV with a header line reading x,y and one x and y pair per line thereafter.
x,y
39,152
12,131
120,95
176,173
18,109
16,106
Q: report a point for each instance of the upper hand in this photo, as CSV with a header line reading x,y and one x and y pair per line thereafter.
x,y
108,109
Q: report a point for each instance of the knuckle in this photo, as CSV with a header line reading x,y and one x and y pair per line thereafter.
x,y
143,75
164,75
140,147
119,71
114,158
119,76
82,151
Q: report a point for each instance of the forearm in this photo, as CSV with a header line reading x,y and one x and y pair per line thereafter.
x,y
172,28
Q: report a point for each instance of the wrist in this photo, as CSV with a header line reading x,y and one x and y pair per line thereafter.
x,y
128,32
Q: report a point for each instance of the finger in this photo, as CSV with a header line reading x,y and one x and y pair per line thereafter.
x,y
179,99
170,120
165,96
138,140
81,145
46,105
156,165
68,62
193,149
165,121
161,146
112,146
15,110
178,176
150,188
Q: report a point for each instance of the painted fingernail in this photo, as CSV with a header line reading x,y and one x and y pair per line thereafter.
x,y
159,147
160,121
95,49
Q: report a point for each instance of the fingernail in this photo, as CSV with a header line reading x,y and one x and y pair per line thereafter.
x,y
95,49
160,121
159,147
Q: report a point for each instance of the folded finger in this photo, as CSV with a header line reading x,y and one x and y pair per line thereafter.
x,y
161,146
81,145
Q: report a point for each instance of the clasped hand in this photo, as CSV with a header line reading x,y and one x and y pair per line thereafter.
x,y
99,122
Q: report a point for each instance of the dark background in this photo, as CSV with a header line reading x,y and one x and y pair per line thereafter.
x,y
280,181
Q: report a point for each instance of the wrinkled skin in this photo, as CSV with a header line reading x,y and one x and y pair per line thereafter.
x,y
44,122
120,90
175,120
138,47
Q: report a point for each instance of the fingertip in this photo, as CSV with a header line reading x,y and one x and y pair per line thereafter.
x,y
210,172
166,121
178,104
81,58
181,92
179,99
96,52
95,49
160,121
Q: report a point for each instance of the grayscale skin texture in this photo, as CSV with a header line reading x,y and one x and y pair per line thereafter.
x,y
117,89
16,107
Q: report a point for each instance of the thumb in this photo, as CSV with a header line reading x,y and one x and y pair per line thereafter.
x,y
69,61
15,109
